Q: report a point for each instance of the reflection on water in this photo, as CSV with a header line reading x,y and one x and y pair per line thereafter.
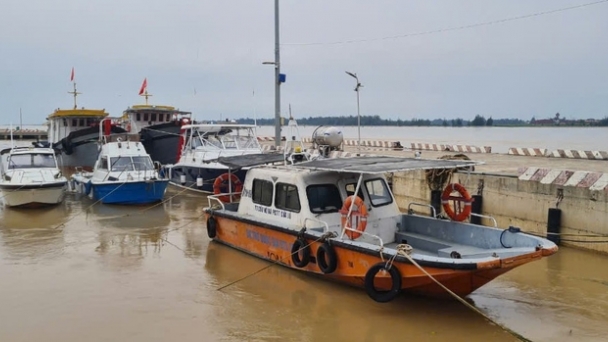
x,y
32,233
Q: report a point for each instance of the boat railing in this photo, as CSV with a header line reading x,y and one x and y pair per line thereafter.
x,y
326,226
486,217
345,228
411,211
216,198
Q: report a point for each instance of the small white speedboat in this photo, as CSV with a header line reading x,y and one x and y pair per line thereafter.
x,y
30,177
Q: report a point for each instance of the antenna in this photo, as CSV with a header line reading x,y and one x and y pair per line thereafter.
x,y
12,141
255,117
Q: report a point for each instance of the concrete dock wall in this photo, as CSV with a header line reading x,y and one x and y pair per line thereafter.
x,y
523,203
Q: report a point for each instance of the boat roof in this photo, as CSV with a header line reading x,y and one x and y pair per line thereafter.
x,y
382,164
362,164
82,112
217,126
144,107
26,150
249,160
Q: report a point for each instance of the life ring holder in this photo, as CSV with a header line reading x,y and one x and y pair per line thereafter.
x,y
381,296
456,214
361,213
219,182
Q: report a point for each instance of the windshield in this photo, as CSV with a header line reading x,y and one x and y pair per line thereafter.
x,y
141,163
28,161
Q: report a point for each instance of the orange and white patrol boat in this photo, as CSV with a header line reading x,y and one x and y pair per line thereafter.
x,y
338,218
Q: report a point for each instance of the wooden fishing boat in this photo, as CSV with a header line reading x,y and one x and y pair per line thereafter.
x,y
306,216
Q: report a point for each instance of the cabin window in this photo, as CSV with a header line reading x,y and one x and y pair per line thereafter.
x,y
121,164
350,190
262,192
378,192
103,163
168,117
146,117
81,122
74,122
138,116
65,123
324,198
27,161
153,117
287,197
143,163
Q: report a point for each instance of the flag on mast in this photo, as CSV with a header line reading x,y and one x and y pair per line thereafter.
x,y
143,86
72,75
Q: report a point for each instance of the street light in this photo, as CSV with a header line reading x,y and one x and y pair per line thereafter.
x,y
359,85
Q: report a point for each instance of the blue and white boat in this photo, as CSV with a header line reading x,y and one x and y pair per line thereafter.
x,y
197,167
123,174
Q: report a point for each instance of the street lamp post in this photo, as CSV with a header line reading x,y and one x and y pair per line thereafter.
x,y
359,85
277,77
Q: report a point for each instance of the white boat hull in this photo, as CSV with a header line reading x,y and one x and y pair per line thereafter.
x,y
33,196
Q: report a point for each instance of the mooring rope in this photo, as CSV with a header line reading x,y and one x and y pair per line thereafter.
x,y
403,251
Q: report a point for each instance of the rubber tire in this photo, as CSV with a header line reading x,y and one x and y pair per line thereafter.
x,y
211,227
295,254
327,258
382,296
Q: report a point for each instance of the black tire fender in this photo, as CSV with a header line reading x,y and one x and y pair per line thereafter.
x,y
211,227
327,258
379,295
298,246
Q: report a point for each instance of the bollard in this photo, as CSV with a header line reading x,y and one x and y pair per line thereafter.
x,y
476,209
554,222
436,201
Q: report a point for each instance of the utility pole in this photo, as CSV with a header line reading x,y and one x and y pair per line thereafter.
x,y
277,80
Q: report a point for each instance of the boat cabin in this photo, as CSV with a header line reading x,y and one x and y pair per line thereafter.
x,y
123,156
138,117
215,138
303,198
27,158
64,121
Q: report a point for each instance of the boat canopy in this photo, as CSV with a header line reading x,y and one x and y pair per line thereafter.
x,y
249,160
382,164
217,127
362,164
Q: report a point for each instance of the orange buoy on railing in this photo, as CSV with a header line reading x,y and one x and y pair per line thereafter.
x,y
460,212
359,214
221,182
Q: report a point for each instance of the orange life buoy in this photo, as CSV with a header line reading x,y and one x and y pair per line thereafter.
x,y
221,182
185,121
360,215
458,213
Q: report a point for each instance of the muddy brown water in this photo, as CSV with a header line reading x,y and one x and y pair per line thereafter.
x,y
109,273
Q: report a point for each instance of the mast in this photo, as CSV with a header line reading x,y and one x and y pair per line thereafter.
x,y
75,93
146,95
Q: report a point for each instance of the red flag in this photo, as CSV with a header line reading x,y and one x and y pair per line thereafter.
x,y
143,86
72,75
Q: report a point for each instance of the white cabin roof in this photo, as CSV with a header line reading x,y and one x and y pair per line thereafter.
x,y
123,149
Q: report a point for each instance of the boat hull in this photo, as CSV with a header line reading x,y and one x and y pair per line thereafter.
x,y
207,174
136,192
33,196
162,142
274,244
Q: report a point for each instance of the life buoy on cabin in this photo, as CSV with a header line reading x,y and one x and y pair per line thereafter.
x,y
382,296
327,258
459,213
184,121
221,182
211,227
300,246
359,214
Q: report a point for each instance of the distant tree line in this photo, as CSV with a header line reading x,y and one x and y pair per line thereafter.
x,y
478,121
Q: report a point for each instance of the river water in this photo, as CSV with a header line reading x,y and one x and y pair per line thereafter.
x,y
84,272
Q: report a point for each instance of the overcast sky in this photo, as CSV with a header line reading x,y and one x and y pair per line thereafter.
x,y
206,57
